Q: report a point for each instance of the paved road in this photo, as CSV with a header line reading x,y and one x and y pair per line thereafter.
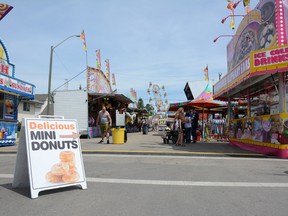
x,y
153,145
139,185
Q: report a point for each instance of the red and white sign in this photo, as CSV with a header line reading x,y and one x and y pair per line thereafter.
x,y
269,60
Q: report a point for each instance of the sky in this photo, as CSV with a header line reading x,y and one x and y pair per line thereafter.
x,y
165,42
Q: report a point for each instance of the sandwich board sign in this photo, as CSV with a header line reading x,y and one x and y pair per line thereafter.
x,y
49,155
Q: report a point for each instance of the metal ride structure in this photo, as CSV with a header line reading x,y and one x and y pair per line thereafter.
x,y
158,96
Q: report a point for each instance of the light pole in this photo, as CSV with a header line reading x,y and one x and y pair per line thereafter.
x,y
231,15
50,70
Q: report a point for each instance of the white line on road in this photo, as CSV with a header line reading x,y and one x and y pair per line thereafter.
x,y
169,156
184,157
179,183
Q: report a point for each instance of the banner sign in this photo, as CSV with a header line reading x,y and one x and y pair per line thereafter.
x,y
10,107
5,66
269,60
188,92
53,154
97,81
8,82
235,76
16,86
257,30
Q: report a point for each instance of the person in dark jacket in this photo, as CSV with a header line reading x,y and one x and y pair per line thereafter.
x,y
194,123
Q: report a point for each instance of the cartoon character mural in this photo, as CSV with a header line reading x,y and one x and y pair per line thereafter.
x,y
257,134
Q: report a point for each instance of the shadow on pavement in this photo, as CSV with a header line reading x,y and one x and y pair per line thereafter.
x,y
25,191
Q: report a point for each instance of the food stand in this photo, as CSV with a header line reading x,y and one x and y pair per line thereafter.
x,y
12,90
257,80
100,93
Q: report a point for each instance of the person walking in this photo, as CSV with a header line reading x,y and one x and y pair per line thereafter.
x,y
194,123
188,126
181,119
105,124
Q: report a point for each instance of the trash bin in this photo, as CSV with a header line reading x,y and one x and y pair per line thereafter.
x,y
118,135
145,128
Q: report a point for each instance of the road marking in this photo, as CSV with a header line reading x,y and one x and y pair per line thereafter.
x,y
183,157
179,183
188,183
170,156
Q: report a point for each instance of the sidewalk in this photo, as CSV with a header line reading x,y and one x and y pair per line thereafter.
x,y
152,144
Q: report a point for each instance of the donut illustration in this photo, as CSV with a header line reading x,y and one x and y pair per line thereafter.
x,y
65,171
60,169
67,156
70,177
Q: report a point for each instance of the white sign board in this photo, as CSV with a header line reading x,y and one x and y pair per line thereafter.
x,y
53,155
120,119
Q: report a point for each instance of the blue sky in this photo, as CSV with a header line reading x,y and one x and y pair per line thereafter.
x,y
165,42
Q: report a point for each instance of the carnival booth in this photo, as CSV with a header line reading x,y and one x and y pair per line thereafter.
x,y
257,79
210,126
100,93
12,90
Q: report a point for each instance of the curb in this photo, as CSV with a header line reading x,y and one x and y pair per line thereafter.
x,y
171,153
166,153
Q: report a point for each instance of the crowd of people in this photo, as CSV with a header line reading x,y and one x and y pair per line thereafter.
x,y
186,123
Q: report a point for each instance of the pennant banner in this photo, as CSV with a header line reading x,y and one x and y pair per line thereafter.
x,y
133,94
107,69
82,36
4,10
113,79
98,58
206,73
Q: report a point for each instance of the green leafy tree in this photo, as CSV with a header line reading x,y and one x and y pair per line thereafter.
x,y
140,103
150,109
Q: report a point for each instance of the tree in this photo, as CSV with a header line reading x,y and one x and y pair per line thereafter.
x,y
150,109
140,103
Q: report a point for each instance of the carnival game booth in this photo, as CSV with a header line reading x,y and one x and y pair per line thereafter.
x,y
12,90
257,79
116,104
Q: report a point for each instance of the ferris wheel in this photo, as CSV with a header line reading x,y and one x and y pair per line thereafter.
x,y
158,96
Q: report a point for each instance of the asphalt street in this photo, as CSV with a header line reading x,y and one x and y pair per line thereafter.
x,y
158,185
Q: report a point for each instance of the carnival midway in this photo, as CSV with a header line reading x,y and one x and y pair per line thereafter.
x,y
247,106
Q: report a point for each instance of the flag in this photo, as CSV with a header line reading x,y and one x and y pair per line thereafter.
x,y
246,2
206,73
206,69
107,69
4,10
133,94
98,58
82,36
113,79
